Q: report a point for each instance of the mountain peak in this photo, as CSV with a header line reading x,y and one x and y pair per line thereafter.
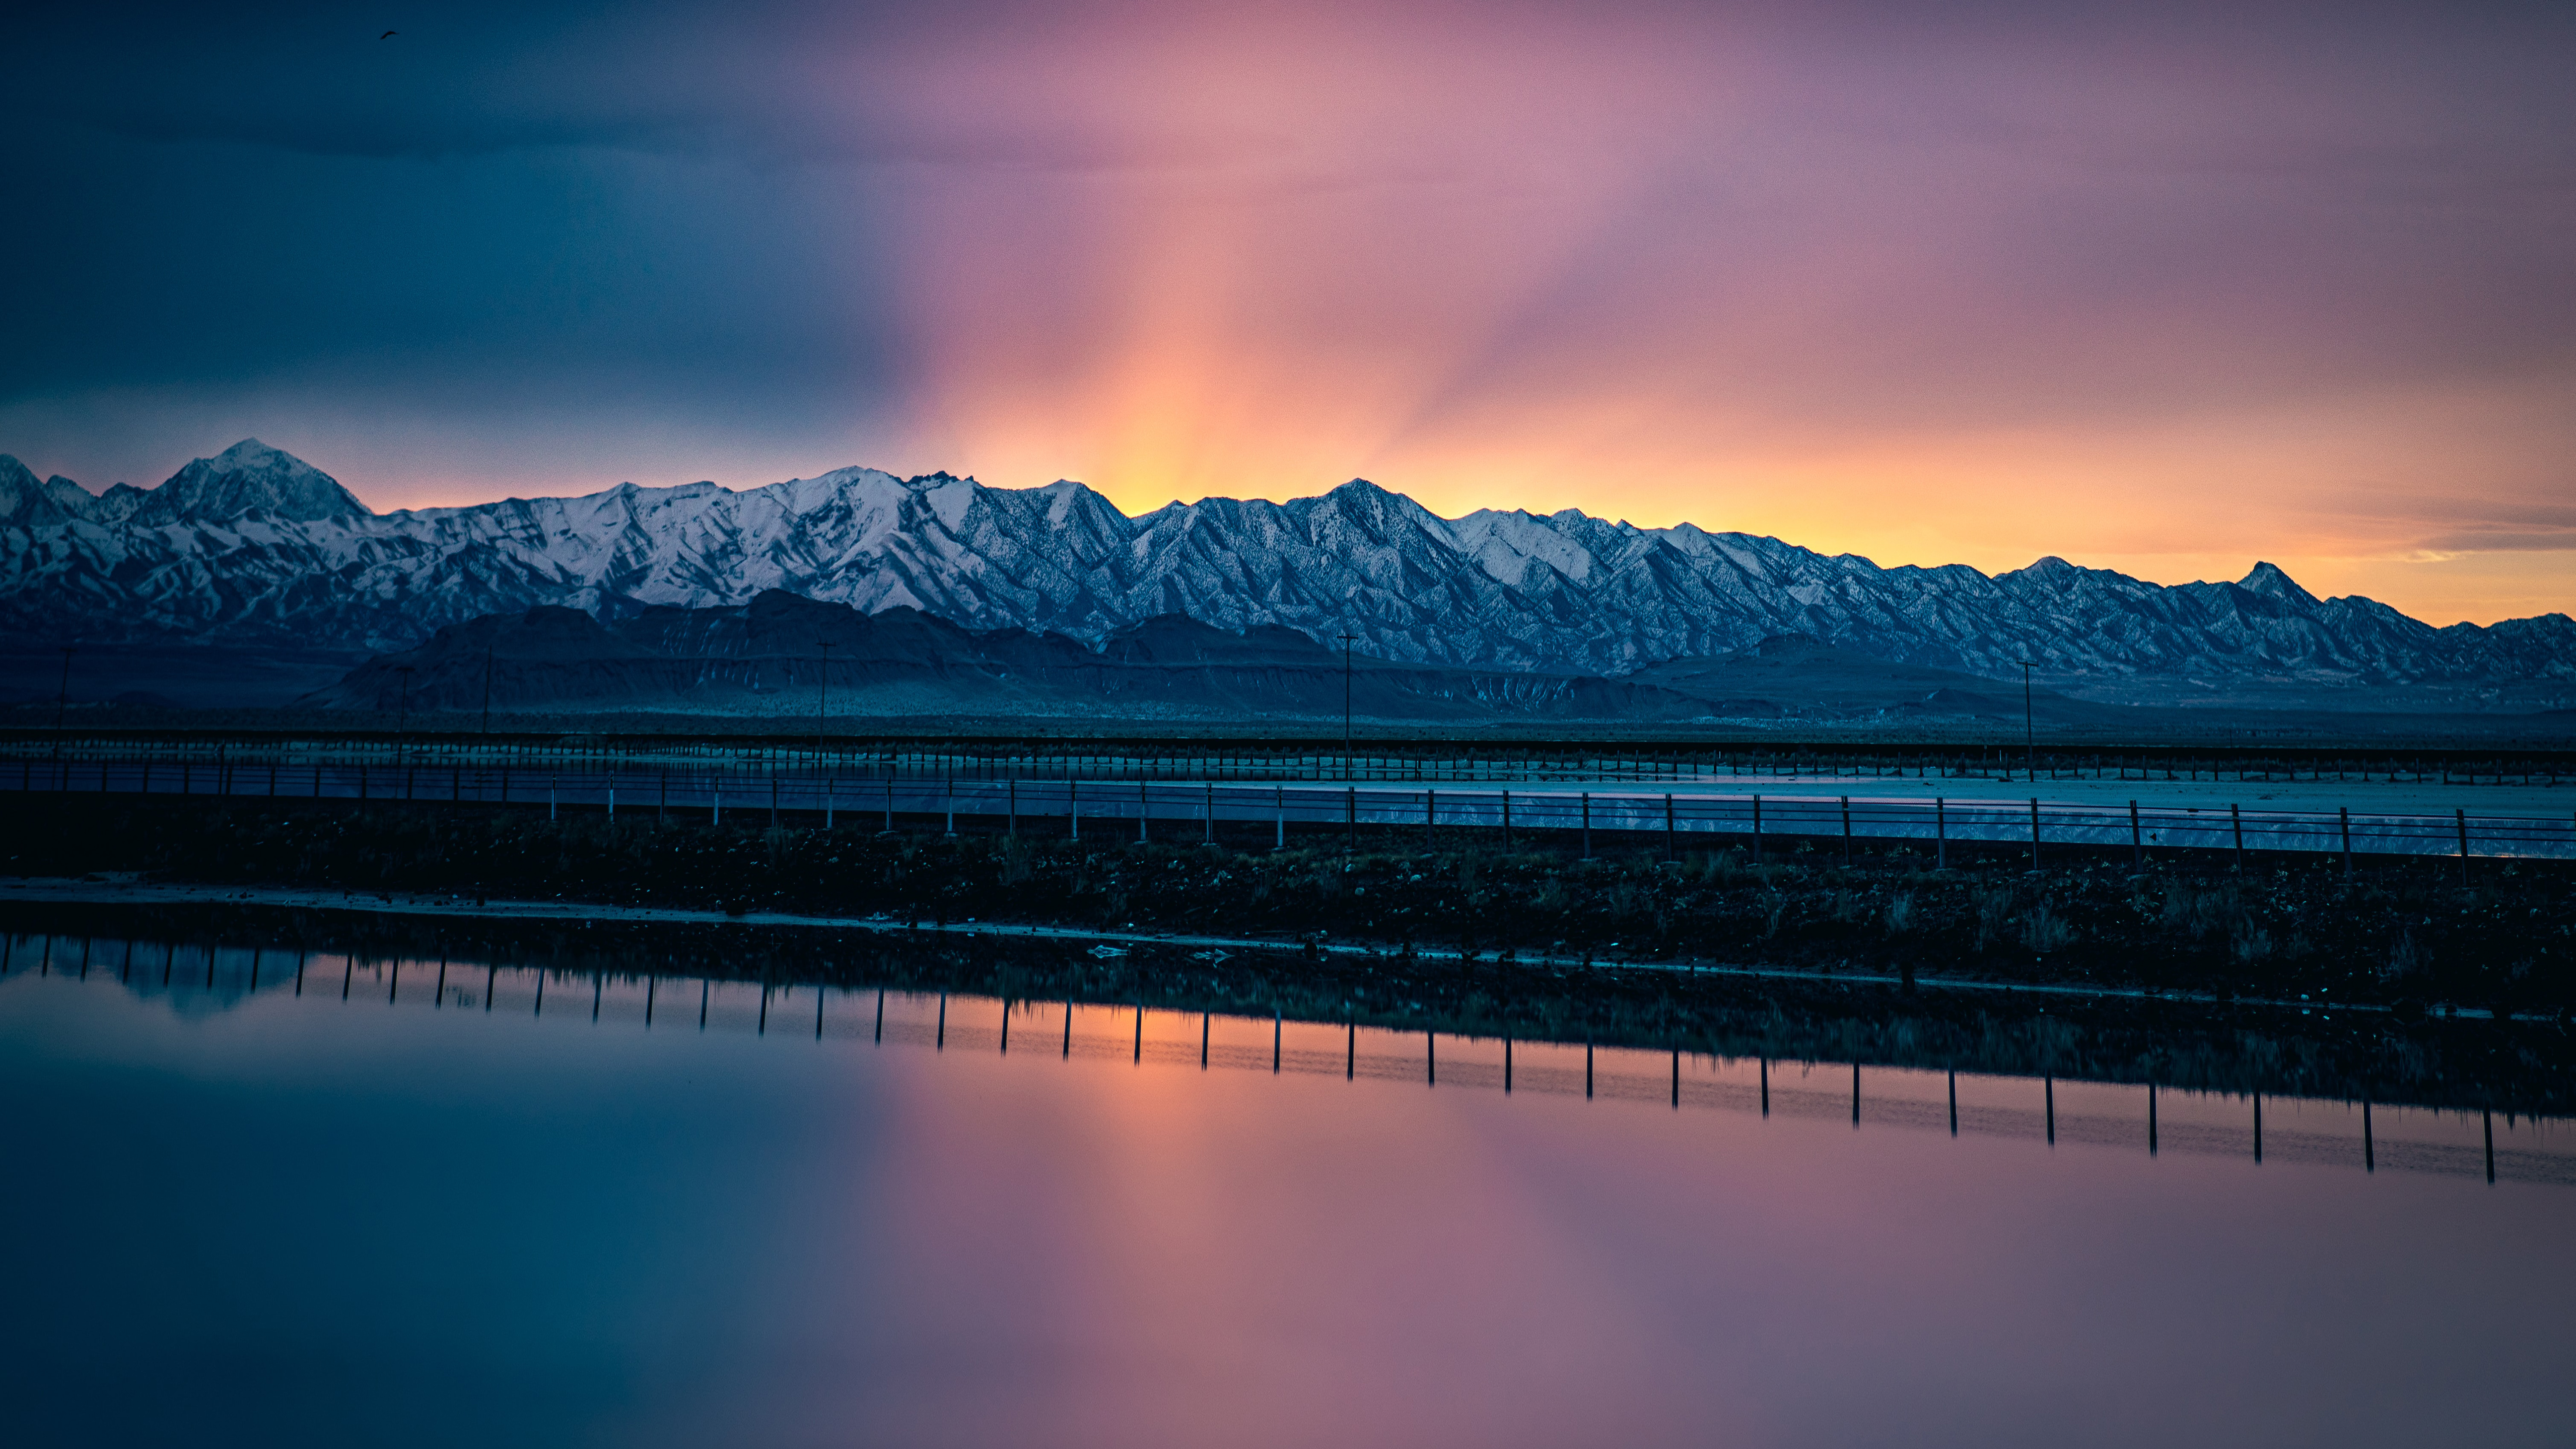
x,y
2272,583
26,503
250,476
22,499
1361,499
2052,571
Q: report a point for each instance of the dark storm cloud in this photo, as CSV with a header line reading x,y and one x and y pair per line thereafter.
x,y
499,206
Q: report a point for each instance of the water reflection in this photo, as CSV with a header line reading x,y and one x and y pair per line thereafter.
x,y
340,1196
197,979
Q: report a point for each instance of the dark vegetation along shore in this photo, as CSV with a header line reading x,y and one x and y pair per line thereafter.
x,y
2467,1064
2402,933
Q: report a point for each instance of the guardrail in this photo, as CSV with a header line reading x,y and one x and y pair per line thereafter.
x,y
1182,812
1436,764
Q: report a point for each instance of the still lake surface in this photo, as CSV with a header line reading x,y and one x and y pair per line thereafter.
x,y
414,1203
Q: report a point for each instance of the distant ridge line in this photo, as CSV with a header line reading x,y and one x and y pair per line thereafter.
x,y
255,547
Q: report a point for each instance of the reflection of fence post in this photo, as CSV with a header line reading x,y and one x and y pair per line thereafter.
x,y
1073,805
2462,816
1757,828
1011,825
1587,825
1141,811
1672,840
2137,839
2034,833
1279,802
2236,821
2343,814
1507,820
1846,801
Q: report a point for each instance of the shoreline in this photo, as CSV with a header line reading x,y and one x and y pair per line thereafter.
x,y
42,890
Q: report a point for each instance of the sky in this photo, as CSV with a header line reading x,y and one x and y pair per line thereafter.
x,y
2167,289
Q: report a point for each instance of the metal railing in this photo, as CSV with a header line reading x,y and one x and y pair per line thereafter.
x,y
1379,764
1180,812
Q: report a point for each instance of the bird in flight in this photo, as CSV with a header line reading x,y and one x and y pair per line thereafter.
x,y
388,35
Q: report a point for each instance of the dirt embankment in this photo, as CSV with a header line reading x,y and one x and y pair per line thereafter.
x,y
2403,933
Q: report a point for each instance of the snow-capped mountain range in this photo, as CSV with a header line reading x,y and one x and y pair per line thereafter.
x,y
254,547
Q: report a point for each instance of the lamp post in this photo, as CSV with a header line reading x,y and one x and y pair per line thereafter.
x,y
1346,638
62,701
823,698
2029,731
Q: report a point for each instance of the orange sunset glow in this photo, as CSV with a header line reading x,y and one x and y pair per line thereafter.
x,y
2167,294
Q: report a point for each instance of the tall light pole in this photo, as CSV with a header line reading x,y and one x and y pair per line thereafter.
x,y
822,700
1346,703
402,718
62,701
2029,732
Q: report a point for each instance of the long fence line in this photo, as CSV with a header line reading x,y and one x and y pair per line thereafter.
x,y
1181,812
2124,1115
1461,764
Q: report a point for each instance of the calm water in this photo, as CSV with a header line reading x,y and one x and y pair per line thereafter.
x,y
433,1211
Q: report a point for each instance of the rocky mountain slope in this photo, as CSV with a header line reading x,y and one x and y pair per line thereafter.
x,y
773,655
256,548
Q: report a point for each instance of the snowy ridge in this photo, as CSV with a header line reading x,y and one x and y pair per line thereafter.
x,y
257,547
